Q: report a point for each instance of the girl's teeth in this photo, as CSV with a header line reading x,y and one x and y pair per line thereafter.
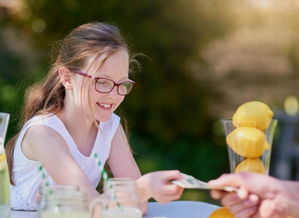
x,y
106,105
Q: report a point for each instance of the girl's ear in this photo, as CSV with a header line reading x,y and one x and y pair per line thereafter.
x,y
65,77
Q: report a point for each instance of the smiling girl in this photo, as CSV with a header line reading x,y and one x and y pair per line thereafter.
x,y
70,116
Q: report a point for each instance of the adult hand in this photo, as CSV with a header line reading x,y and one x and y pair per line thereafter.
x,y
258,196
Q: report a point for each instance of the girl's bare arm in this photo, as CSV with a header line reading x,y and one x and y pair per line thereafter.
x,y
45,145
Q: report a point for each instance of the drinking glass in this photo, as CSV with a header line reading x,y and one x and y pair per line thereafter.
x,y
120,199
59,201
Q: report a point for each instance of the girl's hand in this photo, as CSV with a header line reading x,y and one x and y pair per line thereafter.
x,y
158,185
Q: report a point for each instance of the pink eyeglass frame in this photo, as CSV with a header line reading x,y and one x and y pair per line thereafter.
x,y
95,78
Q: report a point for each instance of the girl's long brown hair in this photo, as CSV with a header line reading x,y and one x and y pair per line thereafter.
x,y
88,40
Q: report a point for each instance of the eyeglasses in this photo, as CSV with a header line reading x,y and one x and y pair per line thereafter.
x,y
104,85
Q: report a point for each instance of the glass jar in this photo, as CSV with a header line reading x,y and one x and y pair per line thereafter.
x,y
63,202
120,199
4,172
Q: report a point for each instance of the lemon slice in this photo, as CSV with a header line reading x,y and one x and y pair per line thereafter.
x,y
247,142
253,114
251,165
2,161
221,212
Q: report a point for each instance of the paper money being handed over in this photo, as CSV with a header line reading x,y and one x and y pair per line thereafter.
x,y
193,183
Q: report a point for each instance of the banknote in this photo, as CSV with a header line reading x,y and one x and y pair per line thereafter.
x,y
192,183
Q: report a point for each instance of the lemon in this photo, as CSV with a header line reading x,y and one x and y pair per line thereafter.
x,y
247,142
251,165
221,212
253,114
2,161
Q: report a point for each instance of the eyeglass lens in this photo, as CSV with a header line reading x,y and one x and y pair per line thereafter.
x,y
105,85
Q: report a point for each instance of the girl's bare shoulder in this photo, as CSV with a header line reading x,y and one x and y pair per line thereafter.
x,y
41,132
42,139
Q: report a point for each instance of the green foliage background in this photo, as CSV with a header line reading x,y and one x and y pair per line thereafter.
x,y
167,113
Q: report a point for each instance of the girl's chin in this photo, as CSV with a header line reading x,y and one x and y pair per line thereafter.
x,y
103,117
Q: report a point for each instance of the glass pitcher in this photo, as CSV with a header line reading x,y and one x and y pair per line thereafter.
x,y
4,173
120,199
63,202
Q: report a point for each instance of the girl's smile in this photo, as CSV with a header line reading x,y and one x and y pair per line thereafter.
x,y
105,106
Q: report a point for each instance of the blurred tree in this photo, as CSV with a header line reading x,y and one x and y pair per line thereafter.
x,y
258,60
169,33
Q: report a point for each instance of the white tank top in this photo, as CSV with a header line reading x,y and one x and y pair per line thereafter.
x,y
26,174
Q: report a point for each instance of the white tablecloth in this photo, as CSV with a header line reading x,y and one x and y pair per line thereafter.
x,y
180,209
175,209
